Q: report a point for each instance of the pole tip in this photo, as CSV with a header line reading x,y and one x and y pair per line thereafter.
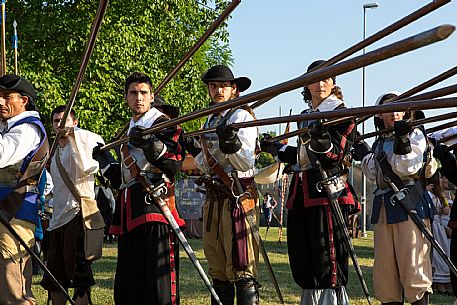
x,y
445,30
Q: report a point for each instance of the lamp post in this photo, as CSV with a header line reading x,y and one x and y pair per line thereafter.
x,y
364,179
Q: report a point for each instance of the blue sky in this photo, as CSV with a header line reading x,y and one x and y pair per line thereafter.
x,y
275,41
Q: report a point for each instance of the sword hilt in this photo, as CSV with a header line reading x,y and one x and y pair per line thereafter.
x,y
156,192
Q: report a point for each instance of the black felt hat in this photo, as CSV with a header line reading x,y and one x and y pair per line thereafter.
x,y
19,84
316,64
221,73
306,94
170,110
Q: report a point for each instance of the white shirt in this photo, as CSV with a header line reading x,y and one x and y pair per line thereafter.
x,y
146,121
19,141
404,165
444,133
76,158
244,159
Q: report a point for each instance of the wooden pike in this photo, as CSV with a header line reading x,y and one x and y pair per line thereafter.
x,y
412,43
355,112
434,5
437,118
425,96
96,25
189,54
437,79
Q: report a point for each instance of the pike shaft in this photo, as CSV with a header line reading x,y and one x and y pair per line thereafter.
x,y
6,223
184,243
406,45
189,54
82,69
376,37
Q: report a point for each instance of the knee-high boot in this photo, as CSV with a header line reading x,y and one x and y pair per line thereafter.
x,y
423,301
247,292
225,291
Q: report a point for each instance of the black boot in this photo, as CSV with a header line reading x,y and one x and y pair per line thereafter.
x,y
423,301
247,292
225,291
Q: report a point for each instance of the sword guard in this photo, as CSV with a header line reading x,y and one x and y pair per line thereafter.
x,y
157,192
335,183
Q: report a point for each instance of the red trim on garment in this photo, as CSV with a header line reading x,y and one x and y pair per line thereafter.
x,y
452,224
290,201
173,275
142,219
119,230
172,156
155,217
177,134
342,143
332,250
311,202
115,230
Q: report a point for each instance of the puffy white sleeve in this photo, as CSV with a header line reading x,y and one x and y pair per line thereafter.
x,y
82,143
369,168
244,159
411,163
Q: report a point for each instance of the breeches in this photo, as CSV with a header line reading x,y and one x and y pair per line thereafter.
x,y
16,281
218,241
16,264
402,261
317,256
147,266
66,258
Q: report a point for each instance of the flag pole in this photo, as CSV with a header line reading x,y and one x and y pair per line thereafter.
x,y
3,70
15,45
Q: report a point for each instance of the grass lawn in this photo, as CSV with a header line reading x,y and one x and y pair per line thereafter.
x,y
194,292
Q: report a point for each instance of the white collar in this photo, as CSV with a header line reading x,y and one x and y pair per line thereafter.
x,y
11,121
329,104
147,118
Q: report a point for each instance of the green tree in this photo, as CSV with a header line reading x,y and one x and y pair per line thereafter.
x,y
149,36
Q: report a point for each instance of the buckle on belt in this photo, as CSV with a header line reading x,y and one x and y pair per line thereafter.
x,y
399,196
130,159
214,160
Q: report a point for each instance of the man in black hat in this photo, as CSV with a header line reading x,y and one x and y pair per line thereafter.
x,y
229,246
317,256
147,270
21,138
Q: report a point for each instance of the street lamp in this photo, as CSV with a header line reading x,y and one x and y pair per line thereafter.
x,y
364,179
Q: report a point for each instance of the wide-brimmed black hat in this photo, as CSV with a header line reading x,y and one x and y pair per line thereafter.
x,y
221,73
306,94
19,84
317,63
170,110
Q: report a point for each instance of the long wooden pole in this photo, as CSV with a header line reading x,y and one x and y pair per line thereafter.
x,y
189,54
434,5
425,96
400,47
96,25
15,47
437,79
437,118
3,45
353,112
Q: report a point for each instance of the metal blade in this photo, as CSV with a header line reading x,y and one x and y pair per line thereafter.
x,y
156,196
